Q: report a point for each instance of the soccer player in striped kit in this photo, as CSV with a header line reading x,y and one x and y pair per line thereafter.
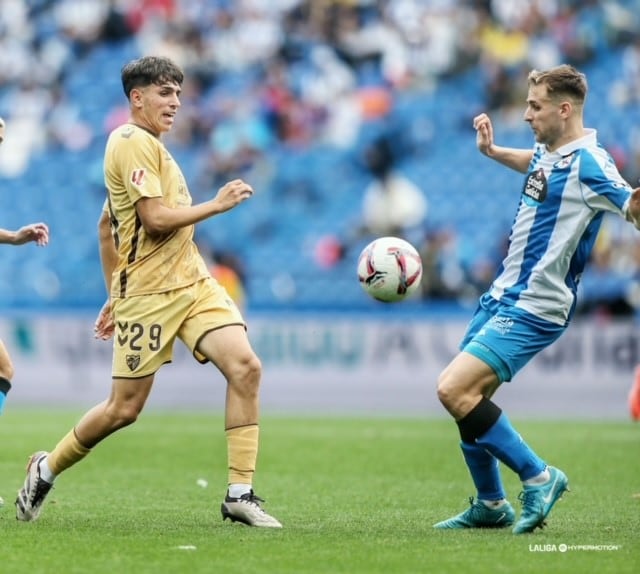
x,y
570,182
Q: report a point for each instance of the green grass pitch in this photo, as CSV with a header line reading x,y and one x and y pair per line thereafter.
x,y
355,495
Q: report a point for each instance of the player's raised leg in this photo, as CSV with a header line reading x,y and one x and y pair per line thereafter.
x,y
127,399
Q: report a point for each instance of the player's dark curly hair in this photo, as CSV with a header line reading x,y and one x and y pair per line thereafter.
x,y
149,70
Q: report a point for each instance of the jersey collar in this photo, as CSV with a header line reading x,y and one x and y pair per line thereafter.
x,y
589,138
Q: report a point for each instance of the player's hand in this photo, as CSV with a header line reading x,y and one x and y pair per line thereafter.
x,y
484,134
232,193
104,327
38,232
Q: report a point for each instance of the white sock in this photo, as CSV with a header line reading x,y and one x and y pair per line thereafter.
x,y
237,490
45,471
493,504
541,478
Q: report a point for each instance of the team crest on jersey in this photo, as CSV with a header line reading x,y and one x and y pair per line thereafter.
x,y
137,177
535,188
564,162
133,361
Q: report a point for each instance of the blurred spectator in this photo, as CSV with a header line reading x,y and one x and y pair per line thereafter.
x,y
81,22
573,32
117,24
65,128
370,43
392,204
329,87
607,287
442,275
29,103
227,270
626,89
239,138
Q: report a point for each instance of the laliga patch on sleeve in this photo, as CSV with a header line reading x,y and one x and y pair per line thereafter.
x,y
137,177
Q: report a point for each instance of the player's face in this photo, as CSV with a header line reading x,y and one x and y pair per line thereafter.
x,y
155,106
544,116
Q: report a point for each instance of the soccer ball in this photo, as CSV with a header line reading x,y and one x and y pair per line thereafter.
x,y
389,269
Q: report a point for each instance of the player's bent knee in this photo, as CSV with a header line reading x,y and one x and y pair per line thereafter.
x,y
449,393
7,371
248,369
244,376
446,394
444,383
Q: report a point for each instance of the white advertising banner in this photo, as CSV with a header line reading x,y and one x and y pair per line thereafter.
x,y
333,364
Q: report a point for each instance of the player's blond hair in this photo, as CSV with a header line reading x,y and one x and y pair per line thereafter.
x,y
562,82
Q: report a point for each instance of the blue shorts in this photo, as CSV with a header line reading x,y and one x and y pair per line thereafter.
x,y
506,337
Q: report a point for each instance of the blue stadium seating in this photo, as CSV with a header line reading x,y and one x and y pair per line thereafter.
x,y
313,193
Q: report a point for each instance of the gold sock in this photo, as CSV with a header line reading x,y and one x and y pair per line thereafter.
x,y
242,451
67,452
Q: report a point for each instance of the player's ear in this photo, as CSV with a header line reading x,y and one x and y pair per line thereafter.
x,y
135,97
566,109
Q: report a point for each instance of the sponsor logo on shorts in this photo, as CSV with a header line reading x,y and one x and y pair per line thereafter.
x,y
501,324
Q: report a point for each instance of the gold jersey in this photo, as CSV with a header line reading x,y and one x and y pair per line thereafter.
x,y
137,165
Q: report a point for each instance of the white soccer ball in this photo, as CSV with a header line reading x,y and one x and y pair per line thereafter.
x,y
389,269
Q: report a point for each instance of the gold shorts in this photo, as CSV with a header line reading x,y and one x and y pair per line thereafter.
x,y
147,325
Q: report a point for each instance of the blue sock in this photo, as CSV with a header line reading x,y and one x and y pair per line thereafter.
x,y
507,445
484,470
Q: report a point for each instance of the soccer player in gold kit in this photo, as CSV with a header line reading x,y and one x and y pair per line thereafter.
x,y
38,233
160,288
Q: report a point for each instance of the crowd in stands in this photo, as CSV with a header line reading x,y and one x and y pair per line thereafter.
x,y
269,78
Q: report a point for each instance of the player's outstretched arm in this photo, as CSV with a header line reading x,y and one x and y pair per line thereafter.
x,y
36,232
157,218
515,158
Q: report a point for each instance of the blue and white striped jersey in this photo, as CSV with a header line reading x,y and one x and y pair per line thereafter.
x,y
564,198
